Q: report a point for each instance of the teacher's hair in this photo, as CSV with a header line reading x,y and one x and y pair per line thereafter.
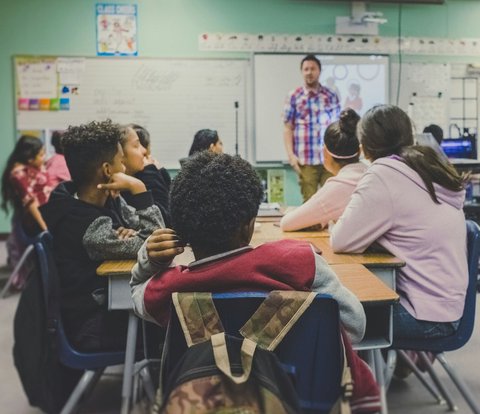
x,y
312,58
386,130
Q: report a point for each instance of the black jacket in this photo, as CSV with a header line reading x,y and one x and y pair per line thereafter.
x,y
83,236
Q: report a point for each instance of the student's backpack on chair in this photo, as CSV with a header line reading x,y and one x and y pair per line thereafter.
x,y
46,382
221,373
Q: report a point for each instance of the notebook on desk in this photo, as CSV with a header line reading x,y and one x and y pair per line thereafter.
x,y
270,210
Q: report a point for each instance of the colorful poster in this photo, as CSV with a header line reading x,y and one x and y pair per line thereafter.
x,y
116,29
276,186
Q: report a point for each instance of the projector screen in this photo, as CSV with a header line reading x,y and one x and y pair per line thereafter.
x,y
361,81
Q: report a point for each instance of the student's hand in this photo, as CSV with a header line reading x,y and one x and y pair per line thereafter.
x,y
123,182
125,234
295,163
163,245
149,160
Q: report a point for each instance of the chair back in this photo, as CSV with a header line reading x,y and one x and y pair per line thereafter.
x,y
467,322
310,352
51,290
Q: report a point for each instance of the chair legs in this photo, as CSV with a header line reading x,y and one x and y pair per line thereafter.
x,y
405,358
16,270
89,378
462,387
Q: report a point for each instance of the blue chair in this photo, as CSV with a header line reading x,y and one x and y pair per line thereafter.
x,y
24,262
439,346
310,352
92,363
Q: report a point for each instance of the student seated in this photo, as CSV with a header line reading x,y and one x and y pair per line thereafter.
x,y
56,165
341,152
26,185
214,200
91,223
141,165
410,202
206,139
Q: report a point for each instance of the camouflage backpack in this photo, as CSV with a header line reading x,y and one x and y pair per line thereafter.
x,y
223,374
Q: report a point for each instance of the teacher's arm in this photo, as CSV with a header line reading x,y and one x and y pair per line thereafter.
x,y
288,140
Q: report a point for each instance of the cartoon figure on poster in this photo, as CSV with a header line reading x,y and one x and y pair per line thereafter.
x,y
353,99
117,31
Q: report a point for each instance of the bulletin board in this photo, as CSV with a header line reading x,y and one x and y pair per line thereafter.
x,y
172,98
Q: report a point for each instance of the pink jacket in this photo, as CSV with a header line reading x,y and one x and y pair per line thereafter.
x,y
392,206
57,169
328,202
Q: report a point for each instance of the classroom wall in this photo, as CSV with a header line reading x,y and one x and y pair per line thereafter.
x,y
170,28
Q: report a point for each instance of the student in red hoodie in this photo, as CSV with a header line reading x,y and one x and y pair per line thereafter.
x,y
214,202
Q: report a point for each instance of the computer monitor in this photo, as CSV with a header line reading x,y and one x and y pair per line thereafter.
x,y
465,147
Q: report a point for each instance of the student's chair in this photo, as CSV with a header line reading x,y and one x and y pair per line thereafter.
x,y
21,271
439,346
311,352
93,364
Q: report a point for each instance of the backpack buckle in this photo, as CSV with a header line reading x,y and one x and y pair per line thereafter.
x,y
347,391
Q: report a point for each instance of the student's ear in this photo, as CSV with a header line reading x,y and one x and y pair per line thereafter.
x,y
247,232
107,171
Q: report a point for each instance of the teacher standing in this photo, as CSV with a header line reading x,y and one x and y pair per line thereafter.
x,y
309,109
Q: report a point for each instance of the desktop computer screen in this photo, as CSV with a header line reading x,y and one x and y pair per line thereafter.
x,y
460,147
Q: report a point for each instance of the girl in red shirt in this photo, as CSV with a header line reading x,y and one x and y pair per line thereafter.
x,y
26,186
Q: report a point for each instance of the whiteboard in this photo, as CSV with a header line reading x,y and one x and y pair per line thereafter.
x,y
424,92
275,75
172,98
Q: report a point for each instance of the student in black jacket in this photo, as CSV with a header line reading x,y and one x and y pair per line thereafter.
x,y
91,223
140,164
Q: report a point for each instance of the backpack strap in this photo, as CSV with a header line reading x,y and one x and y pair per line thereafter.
x,y
223,363
197,315
275,317
342,405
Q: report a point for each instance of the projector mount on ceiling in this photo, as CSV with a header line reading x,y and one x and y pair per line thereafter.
x,y
361,22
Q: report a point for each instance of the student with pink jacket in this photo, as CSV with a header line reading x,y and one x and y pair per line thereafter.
x,y
410,203
341,152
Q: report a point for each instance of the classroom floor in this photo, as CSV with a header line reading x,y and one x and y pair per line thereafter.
x,y
404,397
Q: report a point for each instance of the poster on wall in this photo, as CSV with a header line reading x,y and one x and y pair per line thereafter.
x,y
116,29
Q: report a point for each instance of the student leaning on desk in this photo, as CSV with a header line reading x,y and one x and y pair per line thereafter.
x,y
214,201
90,223
410,202
341,153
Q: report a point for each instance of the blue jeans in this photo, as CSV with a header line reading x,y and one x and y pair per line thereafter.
x,y
406,326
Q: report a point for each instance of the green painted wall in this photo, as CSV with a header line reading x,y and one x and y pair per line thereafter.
x,y
170,28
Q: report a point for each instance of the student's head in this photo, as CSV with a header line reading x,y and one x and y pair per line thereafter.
x,y
311,68
143,136
386,130
93,152
206,139
56,141
436,131
28,150
341,146
383,131
214,200
133,151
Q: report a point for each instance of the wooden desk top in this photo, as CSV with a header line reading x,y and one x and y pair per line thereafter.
x,y
270,231
116,267
368,259
367,287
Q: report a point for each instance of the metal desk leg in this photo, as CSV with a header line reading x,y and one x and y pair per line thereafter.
x,y
128,370
379,369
